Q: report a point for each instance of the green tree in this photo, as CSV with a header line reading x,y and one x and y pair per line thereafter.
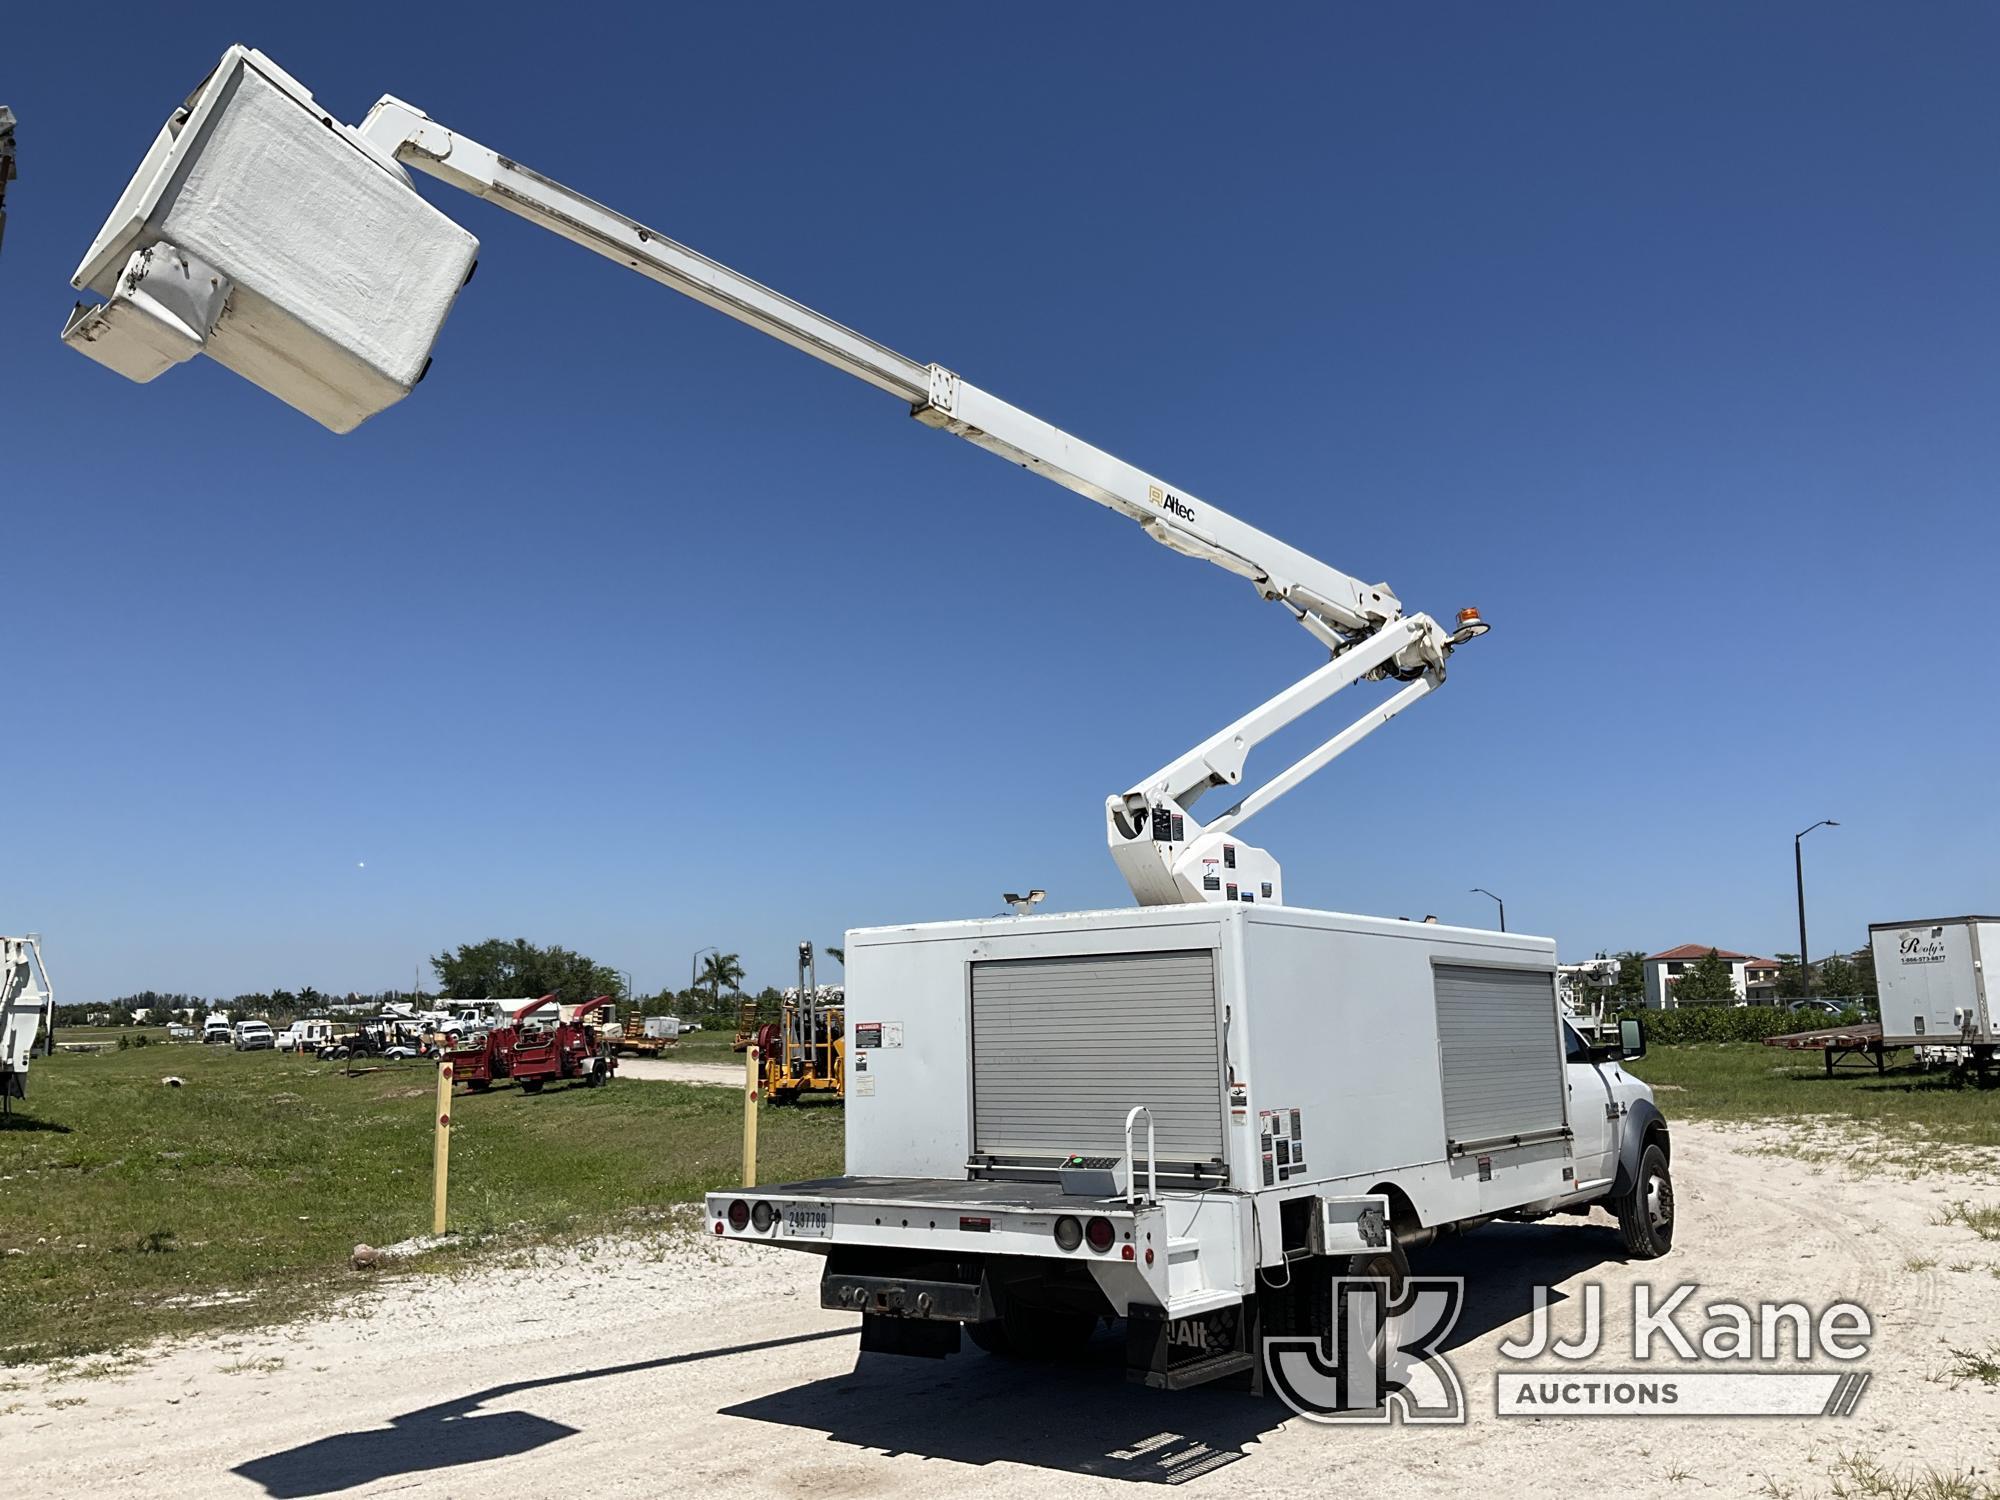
x,y
1864,969
503,966
1791,978
1709,979
720,971
1628,991
1839,979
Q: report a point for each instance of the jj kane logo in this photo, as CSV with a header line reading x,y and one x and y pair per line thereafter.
x,y
1382,1358
1382,1355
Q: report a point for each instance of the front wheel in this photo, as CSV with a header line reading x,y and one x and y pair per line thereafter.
x,y
1646,1213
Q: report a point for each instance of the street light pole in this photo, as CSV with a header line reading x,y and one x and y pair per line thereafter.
x,y
1480,890
1799,874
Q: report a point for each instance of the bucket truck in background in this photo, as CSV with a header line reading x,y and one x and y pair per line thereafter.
x,y
27,1004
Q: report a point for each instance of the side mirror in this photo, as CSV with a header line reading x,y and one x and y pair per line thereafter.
x,y
1631,1038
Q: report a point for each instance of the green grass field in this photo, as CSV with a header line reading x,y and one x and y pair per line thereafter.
x,y
1747,1081
140,1209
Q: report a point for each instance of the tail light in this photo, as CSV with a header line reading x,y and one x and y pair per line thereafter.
x,y
739,1215
762,1215
1069,1232
1100,1234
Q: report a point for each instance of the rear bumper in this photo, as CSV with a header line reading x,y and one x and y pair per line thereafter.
x,y
967,1223
909,1297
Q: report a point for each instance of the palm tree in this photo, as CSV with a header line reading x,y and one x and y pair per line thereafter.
x,y
720,971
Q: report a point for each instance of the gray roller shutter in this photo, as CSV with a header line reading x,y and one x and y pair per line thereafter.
x,y
1062,1048
1499,1053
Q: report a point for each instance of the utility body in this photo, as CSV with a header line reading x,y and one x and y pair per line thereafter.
x,y
1163,1114
1141,1113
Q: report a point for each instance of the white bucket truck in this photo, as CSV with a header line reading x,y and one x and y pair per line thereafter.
x,y
1140,1112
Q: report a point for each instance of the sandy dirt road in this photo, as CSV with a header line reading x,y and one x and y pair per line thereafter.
x,y
666,1070
680,1366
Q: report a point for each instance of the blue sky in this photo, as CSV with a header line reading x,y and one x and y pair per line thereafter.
x,y
1666,338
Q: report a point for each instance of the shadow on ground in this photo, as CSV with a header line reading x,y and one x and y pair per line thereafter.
x,y
452,1433
1078,1418
1084,1419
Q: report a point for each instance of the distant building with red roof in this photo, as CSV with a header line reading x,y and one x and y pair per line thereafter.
x,y
1755,979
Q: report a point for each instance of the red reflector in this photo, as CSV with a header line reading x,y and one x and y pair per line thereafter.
x,y
718,1226
983,1226
1125,1252
1149,1255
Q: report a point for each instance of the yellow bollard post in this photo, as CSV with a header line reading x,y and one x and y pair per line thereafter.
x,y
750,1086
442,1158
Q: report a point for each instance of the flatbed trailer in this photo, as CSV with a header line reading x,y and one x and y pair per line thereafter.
x,y
1859,1045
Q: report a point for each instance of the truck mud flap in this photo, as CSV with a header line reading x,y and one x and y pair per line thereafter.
x,y
926,1338
1184,1352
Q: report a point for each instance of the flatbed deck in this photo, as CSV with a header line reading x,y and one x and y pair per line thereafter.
x,y
945,1192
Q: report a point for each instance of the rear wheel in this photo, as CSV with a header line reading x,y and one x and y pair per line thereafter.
x,y
531,1085
1390,1264
1646,1213
1035,1333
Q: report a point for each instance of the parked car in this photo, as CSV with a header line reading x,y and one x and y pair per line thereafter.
x,y
254,1036
1816,1007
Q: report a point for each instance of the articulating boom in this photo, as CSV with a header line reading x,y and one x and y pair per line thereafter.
x,y
173,283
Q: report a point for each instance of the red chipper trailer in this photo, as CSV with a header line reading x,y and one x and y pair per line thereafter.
x,y
569,1049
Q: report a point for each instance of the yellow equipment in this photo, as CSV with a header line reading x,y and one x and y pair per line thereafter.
x,y
806,1051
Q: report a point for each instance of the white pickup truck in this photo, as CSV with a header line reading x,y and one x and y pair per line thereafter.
x,y
1184,1116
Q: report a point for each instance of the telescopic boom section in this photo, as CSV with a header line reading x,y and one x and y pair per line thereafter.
x,y
194,245
1166,855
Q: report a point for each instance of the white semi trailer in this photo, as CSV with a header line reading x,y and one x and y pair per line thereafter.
x,y
1932,978
1189,1113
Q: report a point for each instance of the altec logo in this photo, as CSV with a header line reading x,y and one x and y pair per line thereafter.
x,y
1168,501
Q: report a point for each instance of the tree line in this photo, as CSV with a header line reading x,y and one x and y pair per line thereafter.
x,y
470,971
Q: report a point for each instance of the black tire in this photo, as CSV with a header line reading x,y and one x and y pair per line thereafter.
x,y
1391,1264
1646,1213
531,1085
480,1085
1034,1333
